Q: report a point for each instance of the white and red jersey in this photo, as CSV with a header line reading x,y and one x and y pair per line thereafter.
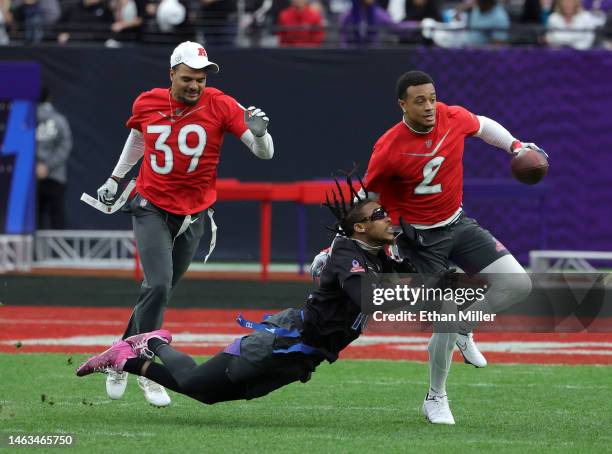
x,y
182,147
420,176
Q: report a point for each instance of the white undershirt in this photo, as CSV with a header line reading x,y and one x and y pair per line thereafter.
x,y
494,134
262,147
133,150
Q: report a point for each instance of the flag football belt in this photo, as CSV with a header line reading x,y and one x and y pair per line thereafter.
x,y
116,205
299,347
213,230
125,195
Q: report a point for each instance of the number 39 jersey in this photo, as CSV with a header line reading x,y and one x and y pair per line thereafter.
x,y
420,176
182,147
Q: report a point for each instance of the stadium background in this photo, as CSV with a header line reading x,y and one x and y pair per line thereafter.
x,y
328,107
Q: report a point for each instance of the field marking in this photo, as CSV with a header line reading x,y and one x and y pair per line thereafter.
x,y
60,330
546,348
405,343
68,322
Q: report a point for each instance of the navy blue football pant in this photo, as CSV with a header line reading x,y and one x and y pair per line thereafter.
x,y
225,377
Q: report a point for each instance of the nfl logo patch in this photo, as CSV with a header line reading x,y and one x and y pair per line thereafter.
x,y
428,143
357,268
143,203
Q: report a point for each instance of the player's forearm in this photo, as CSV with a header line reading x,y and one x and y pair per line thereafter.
x,y
133,150
494,134
262,147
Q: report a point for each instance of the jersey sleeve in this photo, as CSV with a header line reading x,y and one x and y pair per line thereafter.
x,y
134,122
468,122
233,115
377,168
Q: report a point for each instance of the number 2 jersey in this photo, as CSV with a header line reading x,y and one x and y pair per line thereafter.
x,y
420,176
183,146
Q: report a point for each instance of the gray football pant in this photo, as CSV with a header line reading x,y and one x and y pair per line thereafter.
x,y
474,249
164,260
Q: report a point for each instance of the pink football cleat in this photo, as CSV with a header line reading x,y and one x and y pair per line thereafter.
x,y
114,358
139,342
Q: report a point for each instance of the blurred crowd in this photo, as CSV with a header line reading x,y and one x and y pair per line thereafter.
x,y
579,24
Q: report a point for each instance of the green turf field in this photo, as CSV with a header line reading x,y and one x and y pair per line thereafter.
x,y
352,406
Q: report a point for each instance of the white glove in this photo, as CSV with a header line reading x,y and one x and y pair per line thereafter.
x,y
319,263
256,120
533,146
517,146
108,191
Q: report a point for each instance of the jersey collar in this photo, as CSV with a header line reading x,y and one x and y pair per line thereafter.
x,y
422,133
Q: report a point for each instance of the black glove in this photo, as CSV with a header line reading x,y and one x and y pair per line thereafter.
x,y
410,238
407,267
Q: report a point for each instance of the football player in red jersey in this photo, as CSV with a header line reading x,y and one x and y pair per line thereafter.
x,y
416,172
178,133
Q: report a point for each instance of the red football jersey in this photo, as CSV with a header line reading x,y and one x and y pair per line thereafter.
x,y
420,176
182,146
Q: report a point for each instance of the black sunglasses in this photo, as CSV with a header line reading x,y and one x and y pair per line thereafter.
x,y
378,214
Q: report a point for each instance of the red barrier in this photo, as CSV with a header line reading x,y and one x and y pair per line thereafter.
x,y
301,192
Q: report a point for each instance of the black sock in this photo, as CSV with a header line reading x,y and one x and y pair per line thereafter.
x,y
156,372
154,343
134,365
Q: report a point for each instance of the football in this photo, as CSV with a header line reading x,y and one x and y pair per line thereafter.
x,y
529,166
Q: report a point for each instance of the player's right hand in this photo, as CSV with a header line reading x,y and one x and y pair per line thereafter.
x,y
533,146
410,238
517,146
108,191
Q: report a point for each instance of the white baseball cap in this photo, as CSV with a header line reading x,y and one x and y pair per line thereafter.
x,y
193,55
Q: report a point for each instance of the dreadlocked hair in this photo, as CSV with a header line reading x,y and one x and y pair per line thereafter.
x,y
346,213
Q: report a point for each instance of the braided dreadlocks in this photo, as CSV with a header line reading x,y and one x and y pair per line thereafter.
x,y
346,213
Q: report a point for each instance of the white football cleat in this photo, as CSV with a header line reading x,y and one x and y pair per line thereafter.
x,y
469,350
154,393
436,410
116,382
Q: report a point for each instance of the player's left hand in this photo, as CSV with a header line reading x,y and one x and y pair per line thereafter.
x,y
517,146
256,120
318,263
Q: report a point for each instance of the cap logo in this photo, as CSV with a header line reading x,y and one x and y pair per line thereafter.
x,y
201,52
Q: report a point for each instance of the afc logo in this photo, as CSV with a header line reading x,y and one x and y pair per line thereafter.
x,y
201,52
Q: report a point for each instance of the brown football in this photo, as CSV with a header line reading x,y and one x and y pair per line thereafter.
x,y
529,166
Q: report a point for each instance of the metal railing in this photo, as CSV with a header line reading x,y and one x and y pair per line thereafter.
x,y
15,253
84,248
101,249
551,261
223,33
